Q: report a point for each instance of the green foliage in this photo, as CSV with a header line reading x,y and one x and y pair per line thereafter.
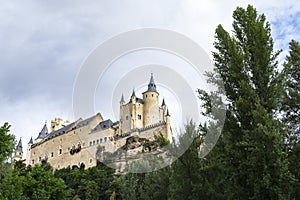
x,y
252,143
291,112
161,139
6,142
33,183
92,183
291,100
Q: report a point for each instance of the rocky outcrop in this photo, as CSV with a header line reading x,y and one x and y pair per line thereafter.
x,y
142,144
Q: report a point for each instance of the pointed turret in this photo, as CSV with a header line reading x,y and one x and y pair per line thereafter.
x,y
19,146
163,102
28,155
151,85
43,133
133,93
168,127
30,141
18,154
122,99
167,113
133,97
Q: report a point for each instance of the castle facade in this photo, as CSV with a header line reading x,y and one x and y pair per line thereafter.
x,y
72,143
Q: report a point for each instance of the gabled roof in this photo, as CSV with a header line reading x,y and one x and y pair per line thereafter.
x,y
60,131
19,146
104,125
85,122
43,133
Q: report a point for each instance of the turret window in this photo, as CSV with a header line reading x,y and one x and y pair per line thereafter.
x,y
139,116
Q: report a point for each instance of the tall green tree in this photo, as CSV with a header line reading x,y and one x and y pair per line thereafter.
x,y
254,156
6,142
291,100
291,112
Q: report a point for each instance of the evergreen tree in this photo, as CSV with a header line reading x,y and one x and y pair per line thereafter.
x,y
291,108
254,157
6,142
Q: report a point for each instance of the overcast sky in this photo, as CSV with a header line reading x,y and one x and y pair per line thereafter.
x,y
44,43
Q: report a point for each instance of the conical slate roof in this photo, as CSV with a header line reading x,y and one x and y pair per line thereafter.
x,y
30,141
133,93
151,85
122,99
167,113
19,146
44,132
163,102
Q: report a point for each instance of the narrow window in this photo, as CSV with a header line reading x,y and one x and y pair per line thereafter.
x,y
97,141
52,154
60,151
105,139
91,143
100,140
32,162
91,160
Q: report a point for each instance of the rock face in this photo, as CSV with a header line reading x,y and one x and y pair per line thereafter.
x,y
141,144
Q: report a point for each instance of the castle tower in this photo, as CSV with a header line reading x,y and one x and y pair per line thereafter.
x,y
151,108
168,127
18,155
30,143
162,111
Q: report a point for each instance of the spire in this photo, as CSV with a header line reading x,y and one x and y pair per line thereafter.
x,y
151,85
43,132
167,113
30,141
122,99
133,93
163,102
19,146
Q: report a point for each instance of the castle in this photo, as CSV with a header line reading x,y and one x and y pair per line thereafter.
x,y
68,144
